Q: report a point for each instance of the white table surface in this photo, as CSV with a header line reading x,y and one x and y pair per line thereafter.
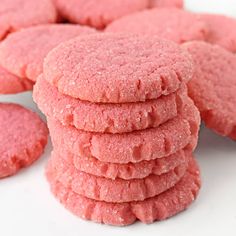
x,y
27,207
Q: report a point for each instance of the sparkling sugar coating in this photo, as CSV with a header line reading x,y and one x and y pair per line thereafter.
x,y
117,68
23,136
107,118
11,84
136,146
18,14
108,190
23,52
98,13
160,207
169,23
213,86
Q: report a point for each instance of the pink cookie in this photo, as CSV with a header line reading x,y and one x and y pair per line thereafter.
x,y
107,118
222,30
194,121
108,190
167,3
133,147
173,24
98,13
117,68
17,14
213,86
23,52
23,136
10,84
160,207
127,171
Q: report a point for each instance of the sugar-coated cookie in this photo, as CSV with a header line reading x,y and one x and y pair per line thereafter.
x,y
18,14
98,13
136,146
213,86
222,30
23,52
160,207
23,136
127,171
117,68
107,118
169,23
11,84
109,190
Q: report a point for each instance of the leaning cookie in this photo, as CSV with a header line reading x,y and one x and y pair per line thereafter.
x,y
213,86
23,137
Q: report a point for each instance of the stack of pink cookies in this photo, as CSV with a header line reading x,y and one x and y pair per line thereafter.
x,y
122,126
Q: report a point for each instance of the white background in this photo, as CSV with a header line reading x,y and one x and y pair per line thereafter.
x,y
28,209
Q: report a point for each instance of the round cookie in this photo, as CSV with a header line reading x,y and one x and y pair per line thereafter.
x,y
98,13
23,52
134,147
23,136
160,207
117,68
18,14
107,118
127,171
213,86
167,3
108,190
169,23
222,30
11,84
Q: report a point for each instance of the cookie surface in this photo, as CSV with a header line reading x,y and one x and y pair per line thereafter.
x,y
213,86
23,52
107,118
98,13
222,31
127,171
108,190
194,121
118,68
23,136
160,207
18,14
173,24
11,84
134,147
167,3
